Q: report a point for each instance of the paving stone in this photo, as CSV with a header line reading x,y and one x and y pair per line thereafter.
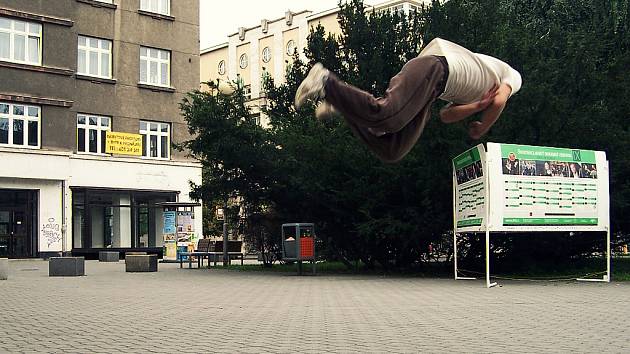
x,y
179,310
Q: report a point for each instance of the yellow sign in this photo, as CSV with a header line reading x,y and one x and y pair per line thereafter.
x,y
123,144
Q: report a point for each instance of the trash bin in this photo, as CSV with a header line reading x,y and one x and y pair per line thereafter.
x,y
298,244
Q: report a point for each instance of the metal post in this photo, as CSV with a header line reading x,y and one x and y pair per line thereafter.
x,y
608,275
64,228
454,222
455,252
225,243
488,283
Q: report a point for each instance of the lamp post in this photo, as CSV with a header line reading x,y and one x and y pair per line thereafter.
x,y
221,216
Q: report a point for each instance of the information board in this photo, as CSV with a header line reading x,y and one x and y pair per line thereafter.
x,y
547,188
522,188
470,190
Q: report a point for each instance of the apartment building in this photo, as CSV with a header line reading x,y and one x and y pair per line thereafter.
x,y
89,94
268,48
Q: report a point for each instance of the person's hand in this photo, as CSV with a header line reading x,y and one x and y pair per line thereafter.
x,y
488,97
476,129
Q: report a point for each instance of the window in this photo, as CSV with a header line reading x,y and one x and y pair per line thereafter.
x,y
266,55
20,41
291,48
222,67
109,218
243,61
155,139
155,66
95,57
20,125
247,92
158,6
92,133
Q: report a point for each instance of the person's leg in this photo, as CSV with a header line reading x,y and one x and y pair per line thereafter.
x,y
391,125
392,147
416,86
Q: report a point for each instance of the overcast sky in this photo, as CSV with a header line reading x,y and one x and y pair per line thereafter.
x,y
220,18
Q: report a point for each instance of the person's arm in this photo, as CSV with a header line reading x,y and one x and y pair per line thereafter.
x,y
492,112
455,113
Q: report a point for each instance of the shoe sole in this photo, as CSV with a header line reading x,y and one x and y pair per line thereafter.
x,y
308,87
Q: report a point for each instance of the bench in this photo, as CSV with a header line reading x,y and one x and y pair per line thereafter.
x,y
213,251
203,251
235,251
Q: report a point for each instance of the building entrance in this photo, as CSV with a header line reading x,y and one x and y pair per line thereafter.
x,y
18,238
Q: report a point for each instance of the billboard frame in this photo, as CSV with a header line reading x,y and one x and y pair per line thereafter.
x,y
487,226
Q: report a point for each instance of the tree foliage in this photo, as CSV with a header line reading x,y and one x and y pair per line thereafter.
x,y
573,55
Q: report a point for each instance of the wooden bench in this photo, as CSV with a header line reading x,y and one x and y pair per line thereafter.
x,y
235,251
203,251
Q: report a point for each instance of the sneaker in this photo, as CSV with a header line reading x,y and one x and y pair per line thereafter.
x,y
325,110
313,85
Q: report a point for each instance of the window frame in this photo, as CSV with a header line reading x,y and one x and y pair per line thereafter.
x,y
147,8
266,55
99,51
291,41
146,145
242,58
87,127
221,67
26,118
159,61
27,35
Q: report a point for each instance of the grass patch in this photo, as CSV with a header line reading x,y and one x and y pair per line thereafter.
x,y
620,269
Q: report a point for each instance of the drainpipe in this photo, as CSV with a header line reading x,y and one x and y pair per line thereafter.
x,y
63,218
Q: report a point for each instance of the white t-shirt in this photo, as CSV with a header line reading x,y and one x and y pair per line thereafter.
x,y
471,75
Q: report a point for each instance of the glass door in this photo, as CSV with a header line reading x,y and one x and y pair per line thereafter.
x,y
14,235
5,232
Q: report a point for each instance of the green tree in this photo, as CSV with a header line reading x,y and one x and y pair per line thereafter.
x,y
235,152
573,56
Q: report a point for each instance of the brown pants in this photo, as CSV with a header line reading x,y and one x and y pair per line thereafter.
x,y
402,112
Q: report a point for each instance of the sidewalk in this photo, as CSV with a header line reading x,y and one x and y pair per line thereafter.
x,y
228,311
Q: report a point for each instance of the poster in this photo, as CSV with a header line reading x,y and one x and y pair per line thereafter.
x,y
547,188
185,222
470,189
530,188
169,222
169,233
123,143
170,250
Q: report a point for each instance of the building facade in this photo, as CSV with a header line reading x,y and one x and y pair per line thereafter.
x,y
268,48
72,73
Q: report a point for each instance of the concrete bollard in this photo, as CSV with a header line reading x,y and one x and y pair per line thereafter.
x,y
108,256
141,263
66,266
4,268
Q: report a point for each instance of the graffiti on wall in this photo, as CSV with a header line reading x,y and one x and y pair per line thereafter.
x,y
51,232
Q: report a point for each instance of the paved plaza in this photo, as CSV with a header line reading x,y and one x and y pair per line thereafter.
x,y
201,310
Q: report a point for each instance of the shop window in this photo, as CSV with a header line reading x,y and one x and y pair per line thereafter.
x,y
117,219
